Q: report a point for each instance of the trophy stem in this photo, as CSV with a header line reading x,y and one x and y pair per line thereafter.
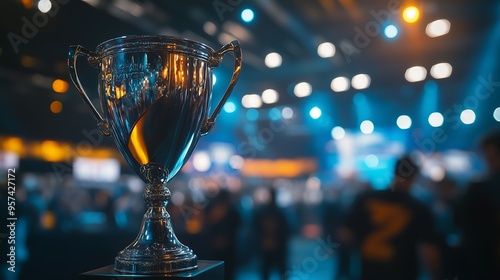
x,y
156,250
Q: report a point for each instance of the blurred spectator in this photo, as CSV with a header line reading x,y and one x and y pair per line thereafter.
x,y
390,227
333,217
478,216
223,221
335,214
272,232
446,193
68,203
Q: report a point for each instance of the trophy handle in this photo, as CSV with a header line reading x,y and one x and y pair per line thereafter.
x,y
74,52
215,61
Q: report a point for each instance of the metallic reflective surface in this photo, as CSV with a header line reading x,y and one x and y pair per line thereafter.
x,y
156,105
155,93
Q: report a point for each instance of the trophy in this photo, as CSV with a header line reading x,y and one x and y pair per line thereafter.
x,y
155,93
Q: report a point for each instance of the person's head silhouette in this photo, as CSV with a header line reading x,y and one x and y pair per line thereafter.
x,y
490,146
405,172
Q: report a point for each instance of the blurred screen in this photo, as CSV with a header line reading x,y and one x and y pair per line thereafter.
x,y
96,170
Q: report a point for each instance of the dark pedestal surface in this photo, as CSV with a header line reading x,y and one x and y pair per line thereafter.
x,y
207,270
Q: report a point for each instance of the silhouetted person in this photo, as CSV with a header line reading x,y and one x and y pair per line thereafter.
x,y
272,232
390,227
479,218
442,206
223,221
334,216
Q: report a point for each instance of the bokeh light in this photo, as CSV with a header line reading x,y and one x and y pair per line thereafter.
x,y
273,60
229,107
415,74
326,50
270,96
411,14
468,116
302,89
436,119
247,15
441,70
338,133
496,114
361,81
403,122
391,31
340,84
366,127
287,113
60,86
56,107
315,113
438,28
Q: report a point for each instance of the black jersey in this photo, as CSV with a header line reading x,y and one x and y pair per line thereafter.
x,y
388,225
479,218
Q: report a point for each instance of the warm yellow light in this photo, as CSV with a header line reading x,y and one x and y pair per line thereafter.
x,y
13,144
28,61
28,4
52,151
60,86
56,107
411,14
48,220
288,168
137,144
194,225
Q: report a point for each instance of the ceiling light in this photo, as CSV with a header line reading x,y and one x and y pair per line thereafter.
x,y
438,28
338,133
415,74
339,84
496,114
273,60
60,86
251,101
367,127
403,122
411,14
302,89
326,49
247,15
270,96
436,119
360,81
44,6
468,116
441,70
391,31
315,113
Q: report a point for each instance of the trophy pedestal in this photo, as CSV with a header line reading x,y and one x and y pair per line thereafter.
x,y
206,270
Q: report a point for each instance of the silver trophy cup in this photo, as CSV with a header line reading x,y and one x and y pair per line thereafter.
x,y
155,93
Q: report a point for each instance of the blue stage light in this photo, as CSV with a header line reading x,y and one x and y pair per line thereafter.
x,y
391,31
247,15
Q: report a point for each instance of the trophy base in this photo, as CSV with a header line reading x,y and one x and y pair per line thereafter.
x,y
156,249
206,270
182,260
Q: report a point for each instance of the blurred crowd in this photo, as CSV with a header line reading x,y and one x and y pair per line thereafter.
x,y
393,233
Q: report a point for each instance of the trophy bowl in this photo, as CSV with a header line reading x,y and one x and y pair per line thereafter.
x,y
155,93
